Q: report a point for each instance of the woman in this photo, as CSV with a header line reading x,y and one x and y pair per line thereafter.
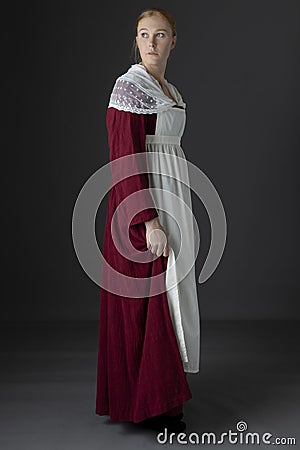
x,y
149,330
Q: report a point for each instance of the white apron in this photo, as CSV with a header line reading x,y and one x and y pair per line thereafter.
x,y
182,299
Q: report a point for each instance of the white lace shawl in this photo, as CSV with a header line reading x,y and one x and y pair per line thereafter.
x,y
139,92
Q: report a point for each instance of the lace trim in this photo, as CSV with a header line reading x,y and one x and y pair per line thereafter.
x,y
128,96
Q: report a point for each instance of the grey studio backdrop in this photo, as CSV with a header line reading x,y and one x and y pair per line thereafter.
x,y
236,64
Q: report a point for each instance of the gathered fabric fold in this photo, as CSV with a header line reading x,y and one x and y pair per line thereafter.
x,y
174,303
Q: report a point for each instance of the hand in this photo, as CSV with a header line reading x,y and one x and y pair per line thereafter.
x,y
157,241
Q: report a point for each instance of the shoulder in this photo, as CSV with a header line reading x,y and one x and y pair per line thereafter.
x,y
129,95
137,92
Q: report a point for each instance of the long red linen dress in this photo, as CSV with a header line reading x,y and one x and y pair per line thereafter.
x,y
139,371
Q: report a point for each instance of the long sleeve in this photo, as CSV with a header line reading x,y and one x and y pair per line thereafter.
x,y
127,136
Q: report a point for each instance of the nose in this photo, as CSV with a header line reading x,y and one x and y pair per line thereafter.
x,y
152,42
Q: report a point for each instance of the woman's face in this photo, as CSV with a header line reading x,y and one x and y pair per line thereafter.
x,y
154,40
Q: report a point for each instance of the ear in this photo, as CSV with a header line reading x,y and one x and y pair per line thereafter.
x,y
174,42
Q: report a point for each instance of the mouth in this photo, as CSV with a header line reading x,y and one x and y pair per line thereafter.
x,y
152,53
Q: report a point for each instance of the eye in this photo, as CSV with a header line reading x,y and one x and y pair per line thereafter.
x,y
160,34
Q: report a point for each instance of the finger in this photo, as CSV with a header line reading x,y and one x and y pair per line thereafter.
x,y
166,250
154,249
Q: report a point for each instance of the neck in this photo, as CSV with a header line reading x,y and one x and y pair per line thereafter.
x,y
158,72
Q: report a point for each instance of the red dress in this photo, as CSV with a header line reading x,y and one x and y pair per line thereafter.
x,y
139,372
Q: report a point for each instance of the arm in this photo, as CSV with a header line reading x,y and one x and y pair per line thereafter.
x,y
127,136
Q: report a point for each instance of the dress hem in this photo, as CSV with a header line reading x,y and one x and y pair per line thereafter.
x,y
140,417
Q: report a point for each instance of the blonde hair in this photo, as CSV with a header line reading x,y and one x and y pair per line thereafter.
x,y
148,13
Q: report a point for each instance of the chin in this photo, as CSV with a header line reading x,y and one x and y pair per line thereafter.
x,y
152,59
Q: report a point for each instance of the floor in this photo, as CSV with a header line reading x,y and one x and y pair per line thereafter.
x,y
249,372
